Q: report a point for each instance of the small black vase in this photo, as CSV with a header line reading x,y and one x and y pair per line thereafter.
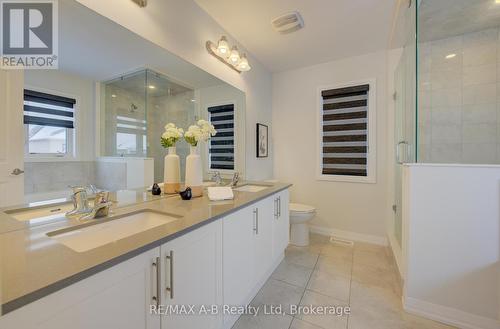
x,y
156,190
186,194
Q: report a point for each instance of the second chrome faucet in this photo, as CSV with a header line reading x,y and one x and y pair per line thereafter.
x,y
82,210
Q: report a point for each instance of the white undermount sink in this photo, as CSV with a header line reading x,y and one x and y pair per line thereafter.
x,y
100,232
250,188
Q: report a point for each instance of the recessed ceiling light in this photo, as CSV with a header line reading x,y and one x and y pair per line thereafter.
x,y
453,55
152,87
114,96
193,100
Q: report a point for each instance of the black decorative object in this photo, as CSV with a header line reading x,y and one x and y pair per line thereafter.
x,y
262,141
186,194
156,190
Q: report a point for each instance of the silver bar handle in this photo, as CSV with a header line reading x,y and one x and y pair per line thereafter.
x,y
279,207
398,156
276,208
256,220
170,285
156,298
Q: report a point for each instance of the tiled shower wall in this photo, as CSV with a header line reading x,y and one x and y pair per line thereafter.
x,y
42,177
459,99
46,177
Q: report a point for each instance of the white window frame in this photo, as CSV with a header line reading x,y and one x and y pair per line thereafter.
x,y
71,135
225,173
371,165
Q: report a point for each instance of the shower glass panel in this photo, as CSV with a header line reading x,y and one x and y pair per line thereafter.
x,y
123,121
457,81
405,116
135,111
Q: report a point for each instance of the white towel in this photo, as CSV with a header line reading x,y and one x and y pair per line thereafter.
x,y
220,193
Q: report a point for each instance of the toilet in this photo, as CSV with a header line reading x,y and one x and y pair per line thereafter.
x,y
300,215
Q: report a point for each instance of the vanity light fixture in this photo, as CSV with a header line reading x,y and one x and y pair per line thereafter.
x,y
141,3
229,56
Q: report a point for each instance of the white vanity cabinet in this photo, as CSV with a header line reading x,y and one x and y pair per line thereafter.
x,y
116,298
248,252
192,275
225,262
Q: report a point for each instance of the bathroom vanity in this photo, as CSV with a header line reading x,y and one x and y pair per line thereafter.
x,y
198,252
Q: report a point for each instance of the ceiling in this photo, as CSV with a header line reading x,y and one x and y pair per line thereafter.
x,y
333,29
446,18
95,47
155,84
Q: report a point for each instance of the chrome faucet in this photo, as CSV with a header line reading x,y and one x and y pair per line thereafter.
x,y
80,202
82,210
101,206
216,177
235,180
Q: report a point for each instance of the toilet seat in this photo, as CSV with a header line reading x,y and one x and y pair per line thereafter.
x,y
297,208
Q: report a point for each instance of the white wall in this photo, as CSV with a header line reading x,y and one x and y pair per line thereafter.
x,y
353,207
183,28
452,243
71,85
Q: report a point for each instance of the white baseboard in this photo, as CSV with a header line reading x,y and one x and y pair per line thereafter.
x,y
346,235
448,315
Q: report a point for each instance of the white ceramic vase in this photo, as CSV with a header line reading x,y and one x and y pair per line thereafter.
x,y
194,173
172,172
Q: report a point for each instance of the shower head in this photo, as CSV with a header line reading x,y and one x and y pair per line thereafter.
x,y
133,107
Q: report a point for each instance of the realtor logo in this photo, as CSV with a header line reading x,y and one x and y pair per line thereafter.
x,y
29,34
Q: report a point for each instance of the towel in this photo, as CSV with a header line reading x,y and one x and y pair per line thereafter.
x,y
220,193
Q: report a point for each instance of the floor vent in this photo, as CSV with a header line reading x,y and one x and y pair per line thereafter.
x,y
341,241
288,23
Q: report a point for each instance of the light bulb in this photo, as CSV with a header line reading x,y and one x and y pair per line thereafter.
x,y
223,47
243,65
234,58
152,87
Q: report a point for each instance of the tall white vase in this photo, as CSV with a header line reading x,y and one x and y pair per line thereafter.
x,y
172,172
194,173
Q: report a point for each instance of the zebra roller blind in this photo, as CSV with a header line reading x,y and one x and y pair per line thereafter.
x,y
345,131
48,110
222,144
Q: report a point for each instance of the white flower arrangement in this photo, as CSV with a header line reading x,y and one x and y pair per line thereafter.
x,y
201,131
171,135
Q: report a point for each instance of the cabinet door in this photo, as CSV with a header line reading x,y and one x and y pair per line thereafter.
x,y
238,236
281,223
192,275
263,241
116,298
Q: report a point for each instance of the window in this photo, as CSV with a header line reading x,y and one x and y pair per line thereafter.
x,y
346,134
49,124
221,146
131,139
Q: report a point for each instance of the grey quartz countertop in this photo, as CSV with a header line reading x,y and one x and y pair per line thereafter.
x,y
34,265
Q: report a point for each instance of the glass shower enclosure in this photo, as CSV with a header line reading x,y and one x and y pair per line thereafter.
x,y
135,109
447,94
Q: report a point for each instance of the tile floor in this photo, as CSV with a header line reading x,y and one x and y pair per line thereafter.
x,y
324,274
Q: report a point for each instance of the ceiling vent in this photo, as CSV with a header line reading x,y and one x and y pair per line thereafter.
x,y
288,23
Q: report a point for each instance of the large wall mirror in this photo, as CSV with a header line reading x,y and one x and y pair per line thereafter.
x,y
120,91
